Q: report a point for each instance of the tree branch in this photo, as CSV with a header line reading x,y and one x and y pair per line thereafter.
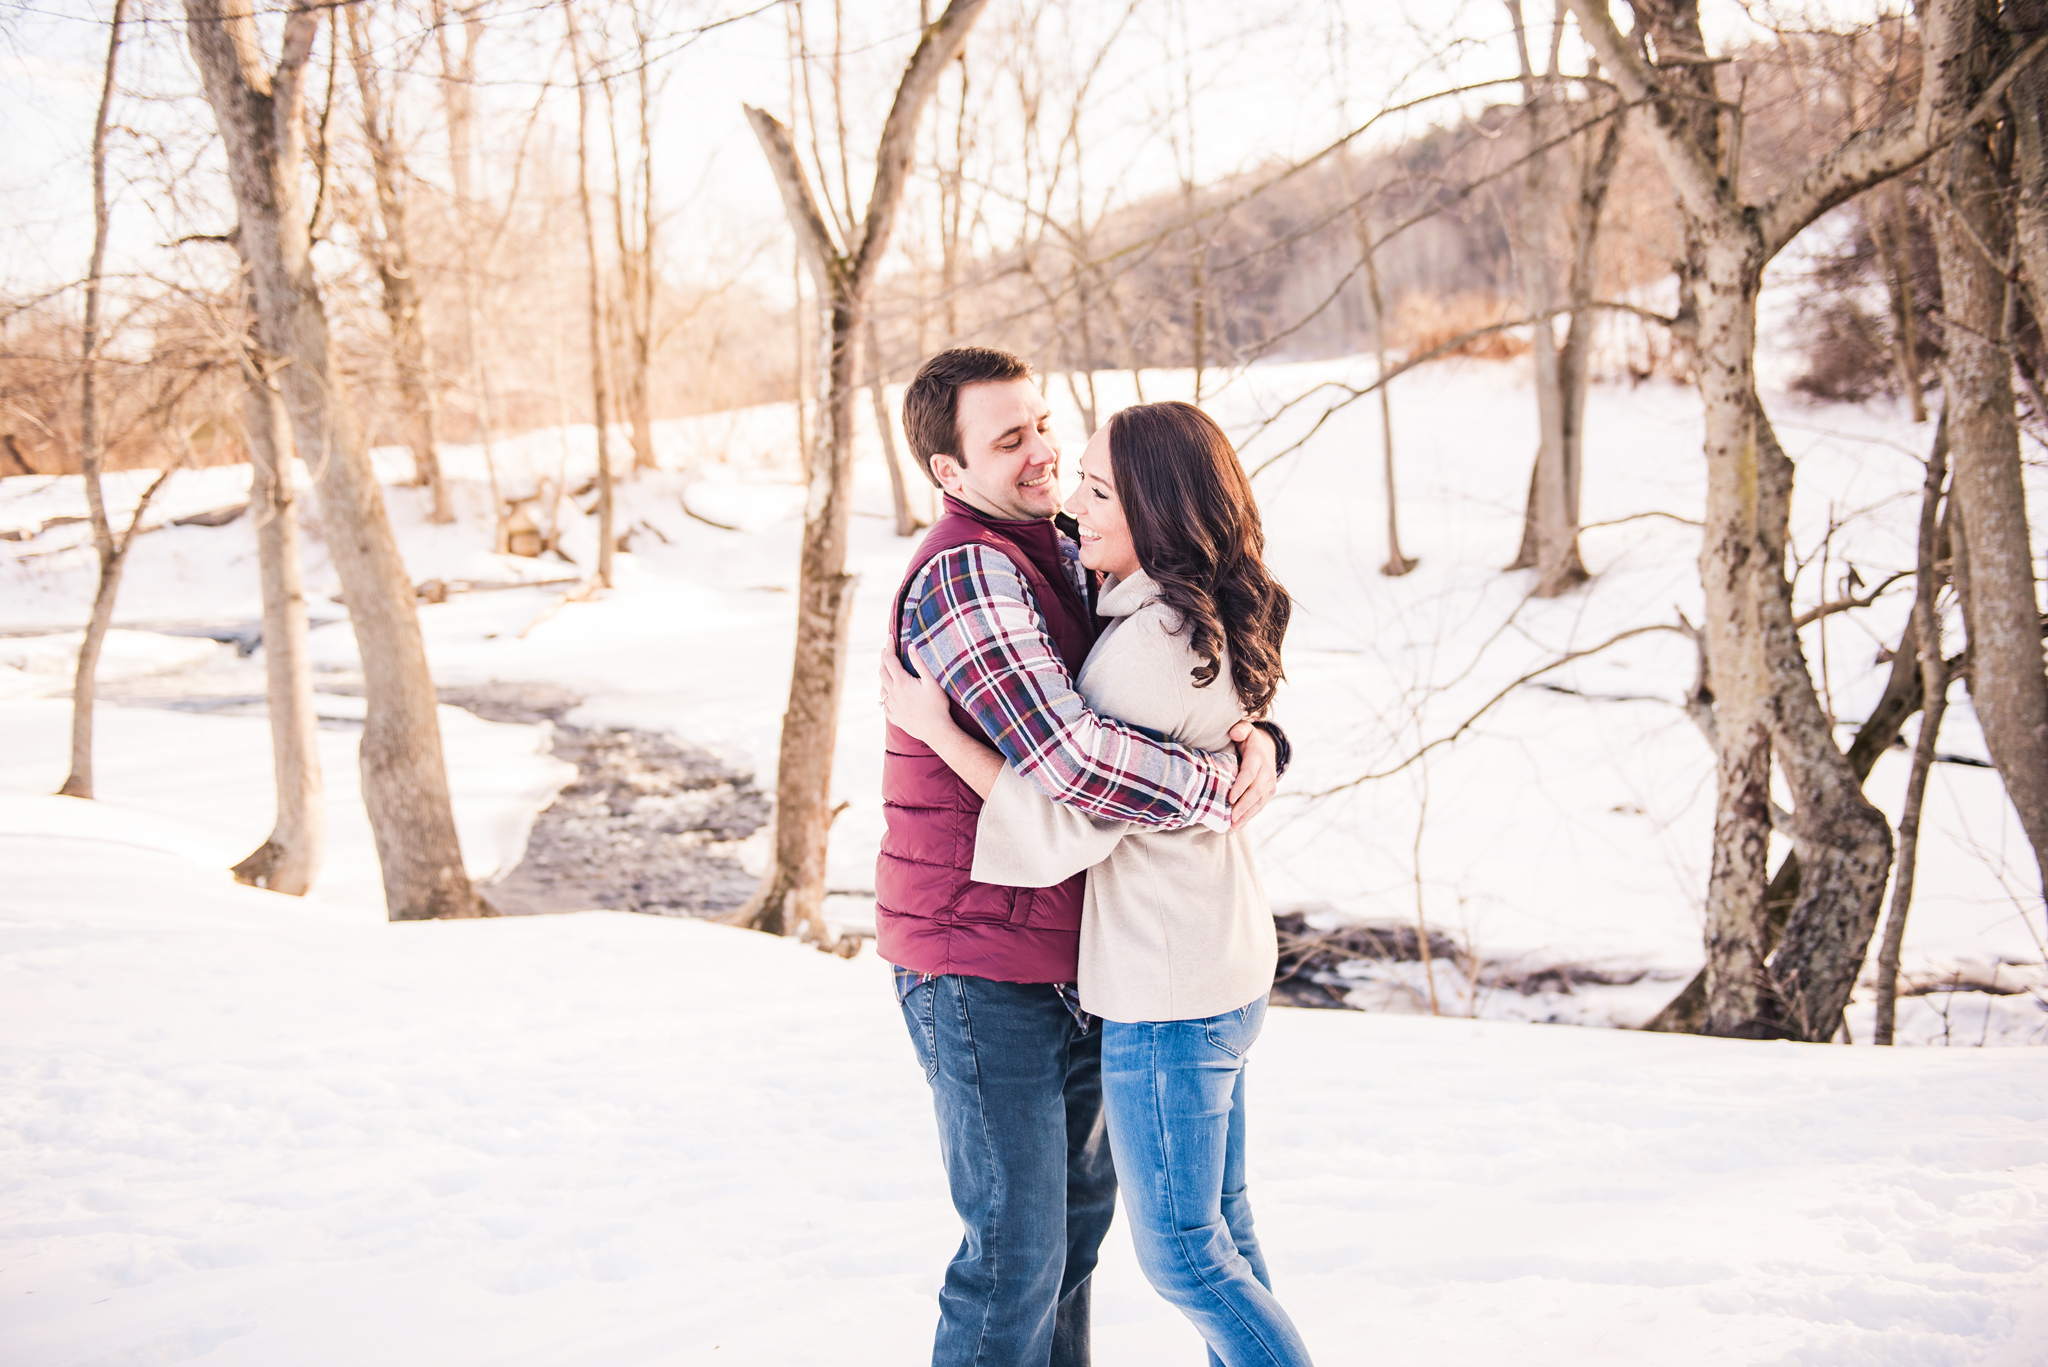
x,y
940,44
1820,610
1697,180
1878,154
1473,720
813,236
1638,517
1441,349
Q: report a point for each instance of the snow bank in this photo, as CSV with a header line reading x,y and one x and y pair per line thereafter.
x,y
35,666
200,785
247,1130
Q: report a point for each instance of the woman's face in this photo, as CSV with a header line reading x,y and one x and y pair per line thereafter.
x,y
1106,543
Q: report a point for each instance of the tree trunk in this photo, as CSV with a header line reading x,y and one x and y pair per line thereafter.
x,y
78,782
456,77
633,320
1763,696
1843,842
2028,102
1397,563
393,259
1934,685
795,895
1738,986
1550,540
792,894
1892,231
113,555
2001,609
639,399
289,859
600,398
907,522
261,117
1686,1013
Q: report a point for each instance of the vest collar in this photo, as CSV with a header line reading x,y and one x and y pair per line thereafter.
x,y
1036,537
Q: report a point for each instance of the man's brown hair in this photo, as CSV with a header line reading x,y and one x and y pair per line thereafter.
x,y
931,402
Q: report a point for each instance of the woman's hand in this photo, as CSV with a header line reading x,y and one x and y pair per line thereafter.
x,y
914,705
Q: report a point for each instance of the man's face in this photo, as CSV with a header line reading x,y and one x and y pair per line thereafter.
x,y
1012,467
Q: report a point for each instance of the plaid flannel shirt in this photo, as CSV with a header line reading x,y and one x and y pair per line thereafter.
x,y
970,622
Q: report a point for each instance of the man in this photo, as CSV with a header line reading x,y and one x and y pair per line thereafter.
x,y
997,608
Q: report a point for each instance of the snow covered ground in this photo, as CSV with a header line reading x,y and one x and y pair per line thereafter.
x,y
241,1129
244,1128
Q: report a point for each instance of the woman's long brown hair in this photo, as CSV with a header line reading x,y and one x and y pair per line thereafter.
x,y
1196,530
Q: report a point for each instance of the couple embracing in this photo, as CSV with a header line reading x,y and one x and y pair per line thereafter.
x,y
1082,947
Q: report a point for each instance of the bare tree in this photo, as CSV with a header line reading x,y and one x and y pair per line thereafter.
x,y
1550,527
1934,685
793,891
458,76
390,252
113,553
260,112
288,860
907,522
1890,229
1397,563
1763,697
600,397
635,231
1980,250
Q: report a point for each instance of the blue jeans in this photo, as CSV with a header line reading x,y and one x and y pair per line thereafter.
x,y
1017,1087
1174,1094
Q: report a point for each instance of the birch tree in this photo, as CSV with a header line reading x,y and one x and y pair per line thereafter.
x,y
600,397
1764,704
1550,199
1985,231
111,550
792,893
634,223
260,112
289,858
458,75
390,251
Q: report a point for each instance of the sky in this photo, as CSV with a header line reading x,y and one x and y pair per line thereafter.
x,y
1265,80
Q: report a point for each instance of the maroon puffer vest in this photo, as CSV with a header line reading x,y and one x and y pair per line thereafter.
x,y
930,916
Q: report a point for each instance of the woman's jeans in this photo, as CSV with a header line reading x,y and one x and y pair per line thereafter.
x,y
1173,1092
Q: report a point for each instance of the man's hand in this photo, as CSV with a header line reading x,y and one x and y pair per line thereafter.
x,y
1257,762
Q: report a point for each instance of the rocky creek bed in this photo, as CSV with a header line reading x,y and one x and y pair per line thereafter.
x,y
647,825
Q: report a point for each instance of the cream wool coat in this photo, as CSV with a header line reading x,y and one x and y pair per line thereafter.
x,y
1174,925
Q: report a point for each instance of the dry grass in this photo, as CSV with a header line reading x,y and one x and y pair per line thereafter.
x,y
1423,322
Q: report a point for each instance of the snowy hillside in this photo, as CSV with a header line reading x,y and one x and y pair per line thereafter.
x,y
240,1128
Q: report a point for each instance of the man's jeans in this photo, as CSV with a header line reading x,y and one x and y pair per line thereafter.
x,y
1174,1093
1018,1091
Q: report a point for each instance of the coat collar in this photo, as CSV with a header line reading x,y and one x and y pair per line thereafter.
x,y
1126,596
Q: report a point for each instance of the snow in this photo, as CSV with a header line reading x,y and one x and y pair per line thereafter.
x,y
245,1128
30,665
199,786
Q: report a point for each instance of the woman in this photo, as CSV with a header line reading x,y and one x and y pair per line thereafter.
x,y
1177,944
